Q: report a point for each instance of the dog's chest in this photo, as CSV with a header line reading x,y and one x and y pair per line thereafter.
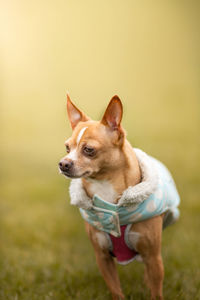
x,y
103,189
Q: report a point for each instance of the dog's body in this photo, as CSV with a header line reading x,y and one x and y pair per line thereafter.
x,y
100,154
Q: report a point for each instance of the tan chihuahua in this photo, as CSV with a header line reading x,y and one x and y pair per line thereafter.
x,y
99,153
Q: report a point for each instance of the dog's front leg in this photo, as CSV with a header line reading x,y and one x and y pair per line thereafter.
x,y
109,272
154,275
106,264
146,239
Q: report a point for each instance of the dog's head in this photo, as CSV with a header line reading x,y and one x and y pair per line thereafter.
x,y
95,146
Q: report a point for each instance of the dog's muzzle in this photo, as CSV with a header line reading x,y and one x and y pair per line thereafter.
x,y
66,166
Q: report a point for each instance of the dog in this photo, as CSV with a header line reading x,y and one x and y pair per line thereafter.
x,y
125,196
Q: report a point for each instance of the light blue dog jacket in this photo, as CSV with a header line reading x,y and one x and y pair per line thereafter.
x,y
155,195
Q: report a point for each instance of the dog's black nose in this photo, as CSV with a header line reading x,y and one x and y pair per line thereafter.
x,y
66,165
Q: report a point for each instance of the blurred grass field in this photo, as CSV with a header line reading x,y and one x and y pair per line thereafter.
x,y
148,54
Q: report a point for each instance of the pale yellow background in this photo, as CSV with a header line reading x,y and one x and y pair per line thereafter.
x,y
147,52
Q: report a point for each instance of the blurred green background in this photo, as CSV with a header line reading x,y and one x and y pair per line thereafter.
x,y
147,52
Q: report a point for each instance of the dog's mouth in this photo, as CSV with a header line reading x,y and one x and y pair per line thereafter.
x,y
73,176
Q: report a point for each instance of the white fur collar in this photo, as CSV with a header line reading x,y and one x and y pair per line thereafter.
x,y
132,195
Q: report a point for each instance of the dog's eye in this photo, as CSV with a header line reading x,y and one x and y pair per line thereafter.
x,y
67,148
89,151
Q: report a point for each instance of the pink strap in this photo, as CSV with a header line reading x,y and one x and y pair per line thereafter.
x,y
120,249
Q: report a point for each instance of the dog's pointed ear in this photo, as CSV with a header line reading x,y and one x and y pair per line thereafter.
x,y
74,114
113,114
